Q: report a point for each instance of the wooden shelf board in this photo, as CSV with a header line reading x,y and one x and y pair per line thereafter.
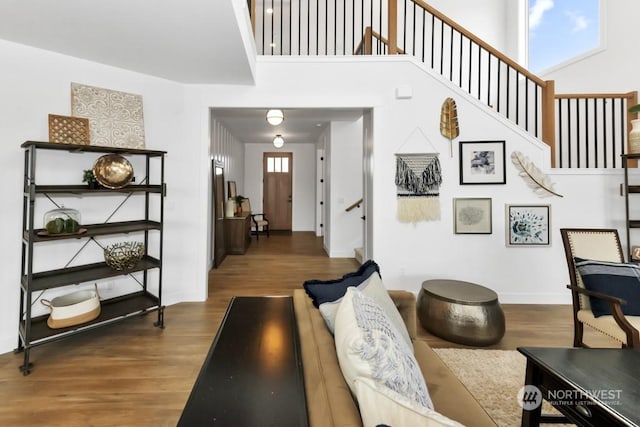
x,y
118,308
84,273
90,148
83,189
98,230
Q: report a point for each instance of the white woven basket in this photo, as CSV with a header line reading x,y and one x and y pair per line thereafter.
x,y
73,309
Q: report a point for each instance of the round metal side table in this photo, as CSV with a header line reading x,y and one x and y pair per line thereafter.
x,y
461,312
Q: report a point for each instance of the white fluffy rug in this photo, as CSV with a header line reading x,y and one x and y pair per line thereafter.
x,y
494,378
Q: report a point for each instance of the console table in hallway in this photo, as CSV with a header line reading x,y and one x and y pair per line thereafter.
x,y
237,233
252,375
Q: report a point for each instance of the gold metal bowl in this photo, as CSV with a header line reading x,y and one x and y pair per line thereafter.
x,y
113,171
123,256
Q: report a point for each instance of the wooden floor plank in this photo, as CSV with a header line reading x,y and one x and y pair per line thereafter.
x,y
135,374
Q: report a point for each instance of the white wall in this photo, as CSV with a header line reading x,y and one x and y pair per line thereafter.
x,y
485,18
367,170
611,69
320,188
303,181
409,254
34,83
226,149
346,188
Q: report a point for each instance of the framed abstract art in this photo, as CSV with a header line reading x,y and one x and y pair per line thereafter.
x,y
528,225
482,162
472,216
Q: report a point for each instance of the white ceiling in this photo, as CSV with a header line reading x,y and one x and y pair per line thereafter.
x,y
188,41
300,124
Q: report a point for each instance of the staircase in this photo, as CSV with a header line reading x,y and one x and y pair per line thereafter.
x,y
582,130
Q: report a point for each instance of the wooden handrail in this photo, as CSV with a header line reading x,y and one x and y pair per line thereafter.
x,y
477,40
548,112
628,95
369,34
364,42
355,205
252,13
547,88
392,27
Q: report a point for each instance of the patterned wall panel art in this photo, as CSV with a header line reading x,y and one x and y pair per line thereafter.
x,y
115,118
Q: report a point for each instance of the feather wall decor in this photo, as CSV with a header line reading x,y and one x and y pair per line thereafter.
x,y
449,121
533,176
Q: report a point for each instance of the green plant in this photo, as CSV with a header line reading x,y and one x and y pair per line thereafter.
x,y
238,199
88,176
634,108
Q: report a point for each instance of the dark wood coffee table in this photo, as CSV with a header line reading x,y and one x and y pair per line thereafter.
x,y
252,375
590,386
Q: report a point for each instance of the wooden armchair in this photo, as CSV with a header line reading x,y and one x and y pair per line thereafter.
x,y
601,245
258,220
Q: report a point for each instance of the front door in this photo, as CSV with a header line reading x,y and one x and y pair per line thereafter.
x,y
277,169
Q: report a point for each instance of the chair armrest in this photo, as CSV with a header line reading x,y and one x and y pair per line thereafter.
x,y
599,295
615,305
254,215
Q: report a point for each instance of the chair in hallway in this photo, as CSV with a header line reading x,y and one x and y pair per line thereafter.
x,y
601,310
259,221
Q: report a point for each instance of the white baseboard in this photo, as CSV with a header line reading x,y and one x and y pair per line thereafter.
x,y
527,298
8,344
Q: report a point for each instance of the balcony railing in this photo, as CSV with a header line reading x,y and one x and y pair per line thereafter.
x,y
413,27
593,129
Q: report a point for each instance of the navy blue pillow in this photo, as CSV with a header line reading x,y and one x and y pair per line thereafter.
x,y
614,279
322,291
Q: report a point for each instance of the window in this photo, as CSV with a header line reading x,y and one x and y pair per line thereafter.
x,y
560,30
278,164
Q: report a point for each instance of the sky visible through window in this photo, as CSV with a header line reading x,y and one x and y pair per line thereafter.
x,y
560,30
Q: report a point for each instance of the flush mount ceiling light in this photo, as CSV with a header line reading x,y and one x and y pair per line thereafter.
x,y
278,141
275,117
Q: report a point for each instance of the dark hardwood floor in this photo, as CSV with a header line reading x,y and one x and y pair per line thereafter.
x,y
133,374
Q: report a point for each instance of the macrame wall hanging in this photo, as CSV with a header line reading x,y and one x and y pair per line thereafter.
x,y
418,179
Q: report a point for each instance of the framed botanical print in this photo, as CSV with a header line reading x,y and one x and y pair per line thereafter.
x,y
528,225
472,215
482,162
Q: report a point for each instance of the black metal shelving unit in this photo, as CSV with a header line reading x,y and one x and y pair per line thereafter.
x,y
629,189
33,331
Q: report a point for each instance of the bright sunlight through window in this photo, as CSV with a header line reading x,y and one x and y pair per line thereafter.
x,y
560,30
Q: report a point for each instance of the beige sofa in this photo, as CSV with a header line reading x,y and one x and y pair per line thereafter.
x,y
329,400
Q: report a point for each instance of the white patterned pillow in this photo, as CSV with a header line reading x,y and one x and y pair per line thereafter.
x,y
381,406
374,288
369,345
